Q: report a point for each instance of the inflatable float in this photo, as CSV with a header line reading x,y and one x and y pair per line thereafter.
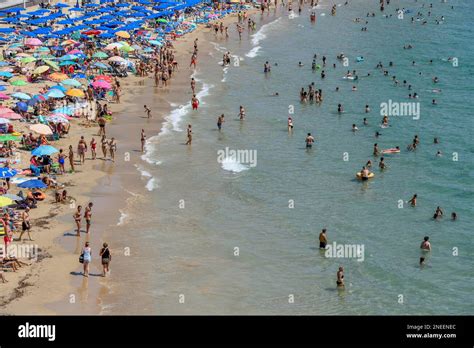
x,y
392,150
359,176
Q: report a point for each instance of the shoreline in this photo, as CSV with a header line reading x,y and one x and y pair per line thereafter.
x,y
51,278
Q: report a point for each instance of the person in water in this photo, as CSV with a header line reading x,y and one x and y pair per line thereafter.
x,y
382,165
309,141
323,240
340,277
220,121
290,124
438,213
412,201
454,216
425,249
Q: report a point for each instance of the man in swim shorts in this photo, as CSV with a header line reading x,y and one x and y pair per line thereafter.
x,y
323,240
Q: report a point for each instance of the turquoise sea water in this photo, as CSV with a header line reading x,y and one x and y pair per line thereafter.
x,y
199,210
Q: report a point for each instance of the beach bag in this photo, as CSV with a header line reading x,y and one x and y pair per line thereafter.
x,y
81,258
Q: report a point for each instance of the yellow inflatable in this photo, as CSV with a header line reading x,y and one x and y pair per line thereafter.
x,y
359,175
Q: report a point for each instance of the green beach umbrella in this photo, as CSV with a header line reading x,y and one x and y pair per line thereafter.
x,y
100,55
161,20
126,48
28,60
71,82
18,83
8,137
53,65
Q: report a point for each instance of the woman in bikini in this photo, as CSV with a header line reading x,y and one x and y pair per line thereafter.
x,y
112,149
77,218
61,160
194,102
104,143
93,145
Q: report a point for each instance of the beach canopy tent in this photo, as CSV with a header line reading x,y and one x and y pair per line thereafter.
x,y
34,183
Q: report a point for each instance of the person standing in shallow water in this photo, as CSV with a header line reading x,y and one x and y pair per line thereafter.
x,y
106,257
340,277
143,139
190,135
220,121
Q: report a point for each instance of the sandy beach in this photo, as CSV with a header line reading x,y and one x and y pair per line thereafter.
x,y
54,284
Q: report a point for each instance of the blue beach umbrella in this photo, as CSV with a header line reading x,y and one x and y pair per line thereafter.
x,y
7,172
6,74
22,106
61,88
67,110
44,150
55,93
34,183
21,95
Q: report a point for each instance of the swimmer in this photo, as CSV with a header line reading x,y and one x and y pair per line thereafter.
x,y
354,127
438,213
454,216
425,248
382,165
300,64
290,124
412,201
220,121
364,173
376,150
242,113
266,67
354,88
433,102
369,164
436,141
366,123
439,154
367,109
340,108
323,240
309,141
340,277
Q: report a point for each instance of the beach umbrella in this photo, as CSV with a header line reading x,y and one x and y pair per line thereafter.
x,y
41,69
34,183
74,92
60,115
5,201
56,119
6,74
53,65
67,62
71,82
67,110
7,173
11,116
12,197
126,48
68,42
69,57
4,120
28,60
123,34
58,76
41,129
55,93
155,43
44,150
113,45
33,42
101,84
21,95
61,88
22,106
162,20
100,55
18,83
76,52
117,59
91,32
3,96
100,65
103,77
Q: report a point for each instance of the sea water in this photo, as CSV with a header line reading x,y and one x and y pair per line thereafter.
x,y
229,238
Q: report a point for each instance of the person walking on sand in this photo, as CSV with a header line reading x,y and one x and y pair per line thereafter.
x,y
93,145
143,139
190,135
71,158
88,216
77,219
112,148
193,61
101,121
147,111
81,150
25,223
106,257
104,142
87,258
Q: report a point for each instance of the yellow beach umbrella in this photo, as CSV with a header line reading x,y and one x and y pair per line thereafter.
x,y
41,69
123,34
74,92
58,76
53,65
4,201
